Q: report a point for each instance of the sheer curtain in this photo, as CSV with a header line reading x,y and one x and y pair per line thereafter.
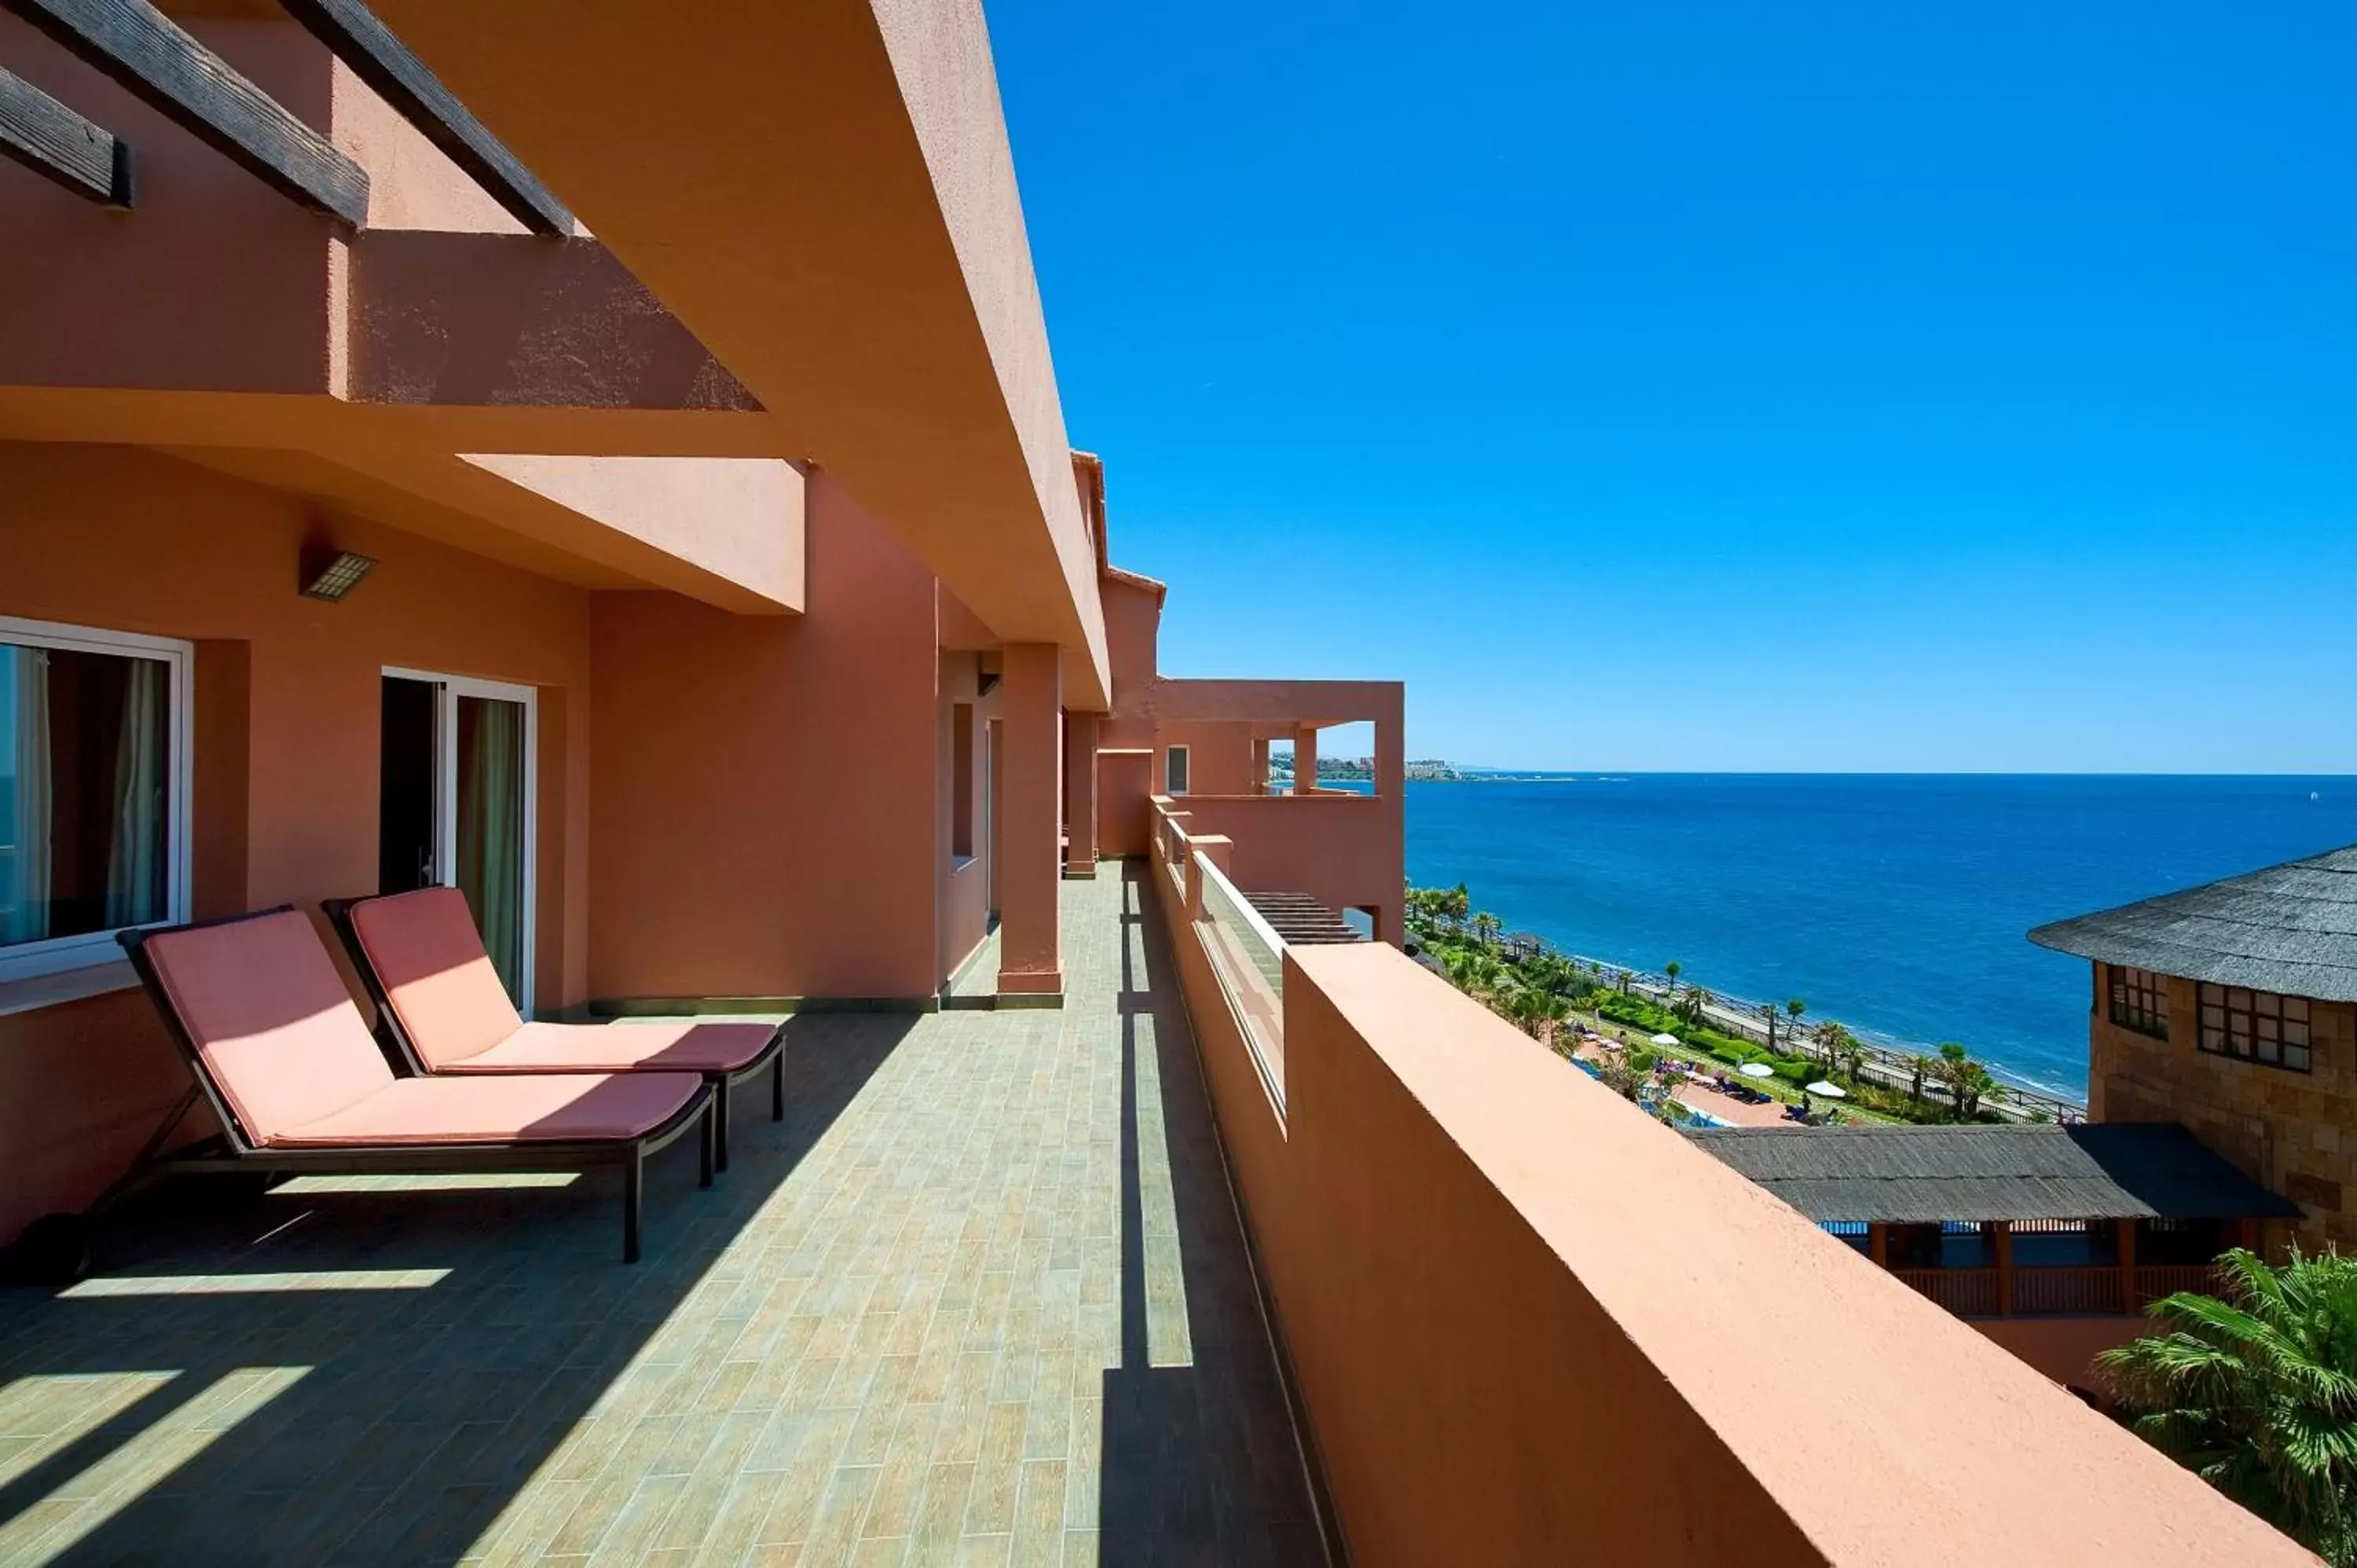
x,y
25,867
134,858
491,829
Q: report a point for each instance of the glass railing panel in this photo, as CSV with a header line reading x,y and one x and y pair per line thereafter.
x,y
1249,958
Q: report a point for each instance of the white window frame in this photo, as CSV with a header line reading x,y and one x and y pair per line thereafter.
x,y
55,955
1185,757
447,690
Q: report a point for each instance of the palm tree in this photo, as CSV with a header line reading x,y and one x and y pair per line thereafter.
x,y
1978,1081
1767,1011
1470,971
1620,1076
1967,1080
1486,928
1919,1066
1671,968
2256,1392
1549,1011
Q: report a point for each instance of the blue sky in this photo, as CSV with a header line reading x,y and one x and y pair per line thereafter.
x,y
1826,387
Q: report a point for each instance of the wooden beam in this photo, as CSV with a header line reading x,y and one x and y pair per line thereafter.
x,y
152,56
59,144
352,31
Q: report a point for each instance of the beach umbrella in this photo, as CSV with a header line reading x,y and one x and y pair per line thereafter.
x,y
1665,1040
1830,1090
1757,1069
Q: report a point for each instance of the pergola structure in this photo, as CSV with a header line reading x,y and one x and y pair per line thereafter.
x,y
1998,1221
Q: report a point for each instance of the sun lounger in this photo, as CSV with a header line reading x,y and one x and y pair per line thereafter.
x,y
279,1049
442,1010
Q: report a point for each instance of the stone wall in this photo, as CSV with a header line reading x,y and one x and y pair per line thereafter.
x,y
2295,1131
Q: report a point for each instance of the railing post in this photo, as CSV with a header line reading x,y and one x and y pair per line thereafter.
x,y
2129,1303
2001,1238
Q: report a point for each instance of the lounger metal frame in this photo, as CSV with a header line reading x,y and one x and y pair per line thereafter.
x,y
235,1149
402,1051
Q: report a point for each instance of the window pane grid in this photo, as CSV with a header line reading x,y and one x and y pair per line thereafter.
x,y
2256,1026
2140,1001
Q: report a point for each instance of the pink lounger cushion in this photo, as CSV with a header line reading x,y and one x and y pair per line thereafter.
x,y
278,1035
271,1021
621,1047
550,1107
440,984
429,956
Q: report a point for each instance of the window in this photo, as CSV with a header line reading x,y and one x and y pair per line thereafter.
x,y
94,792
2140,1001
1174,771
962,782
2257,1025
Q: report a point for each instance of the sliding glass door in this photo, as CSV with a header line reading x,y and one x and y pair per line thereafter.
x,y
457,805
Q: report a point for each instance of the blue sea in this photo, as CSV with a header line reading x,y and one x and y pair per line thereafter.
x,y
1894,903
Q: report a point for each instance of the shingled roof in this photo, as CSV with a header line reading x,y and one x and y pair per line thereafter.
x,y
2291,927
1904,1175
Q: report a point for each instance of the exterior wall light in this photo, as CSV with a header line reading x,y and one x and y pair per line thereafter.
x,y
332,576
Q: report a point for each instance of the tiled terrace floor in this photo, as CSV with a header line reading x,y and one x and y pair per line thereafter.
x,y
982,1298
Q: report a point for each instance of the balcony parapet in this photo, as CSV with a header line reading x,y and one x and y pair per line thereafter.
x,y
1531,1324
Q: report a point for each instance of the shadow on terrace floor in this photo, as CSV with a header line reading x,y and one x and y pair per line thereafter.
x,y
374,1369
982,1298
1200,1461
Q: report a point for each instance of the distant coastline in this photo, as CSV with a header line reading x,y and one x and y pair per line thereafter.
x,y
1428,770
1898,903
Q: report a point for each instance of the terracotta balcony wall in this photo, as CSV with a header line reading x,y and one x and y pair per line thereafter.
x,y
1528,1324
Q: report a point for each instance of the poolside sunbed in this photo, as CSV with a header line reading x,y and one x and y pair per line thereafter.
x,y
443,1011
279,1049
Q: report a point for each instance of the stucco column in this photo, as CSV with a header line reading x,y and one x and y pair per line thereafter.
x,y
1391,756
1260,765
1305,759
1079,794
1030,705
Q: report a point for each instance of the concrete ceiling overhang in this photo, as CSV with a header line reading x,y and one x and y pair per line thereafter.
x,y
595,522
823,193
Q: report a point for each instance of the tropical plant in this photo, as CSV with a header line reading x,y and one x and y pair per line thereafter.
x,y
1486,928
1978,1083
1473,971
1620,1075
1796,1007
1919,1066
1548,1012
1950,1071
1966,1079
2255,1390
1672,969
